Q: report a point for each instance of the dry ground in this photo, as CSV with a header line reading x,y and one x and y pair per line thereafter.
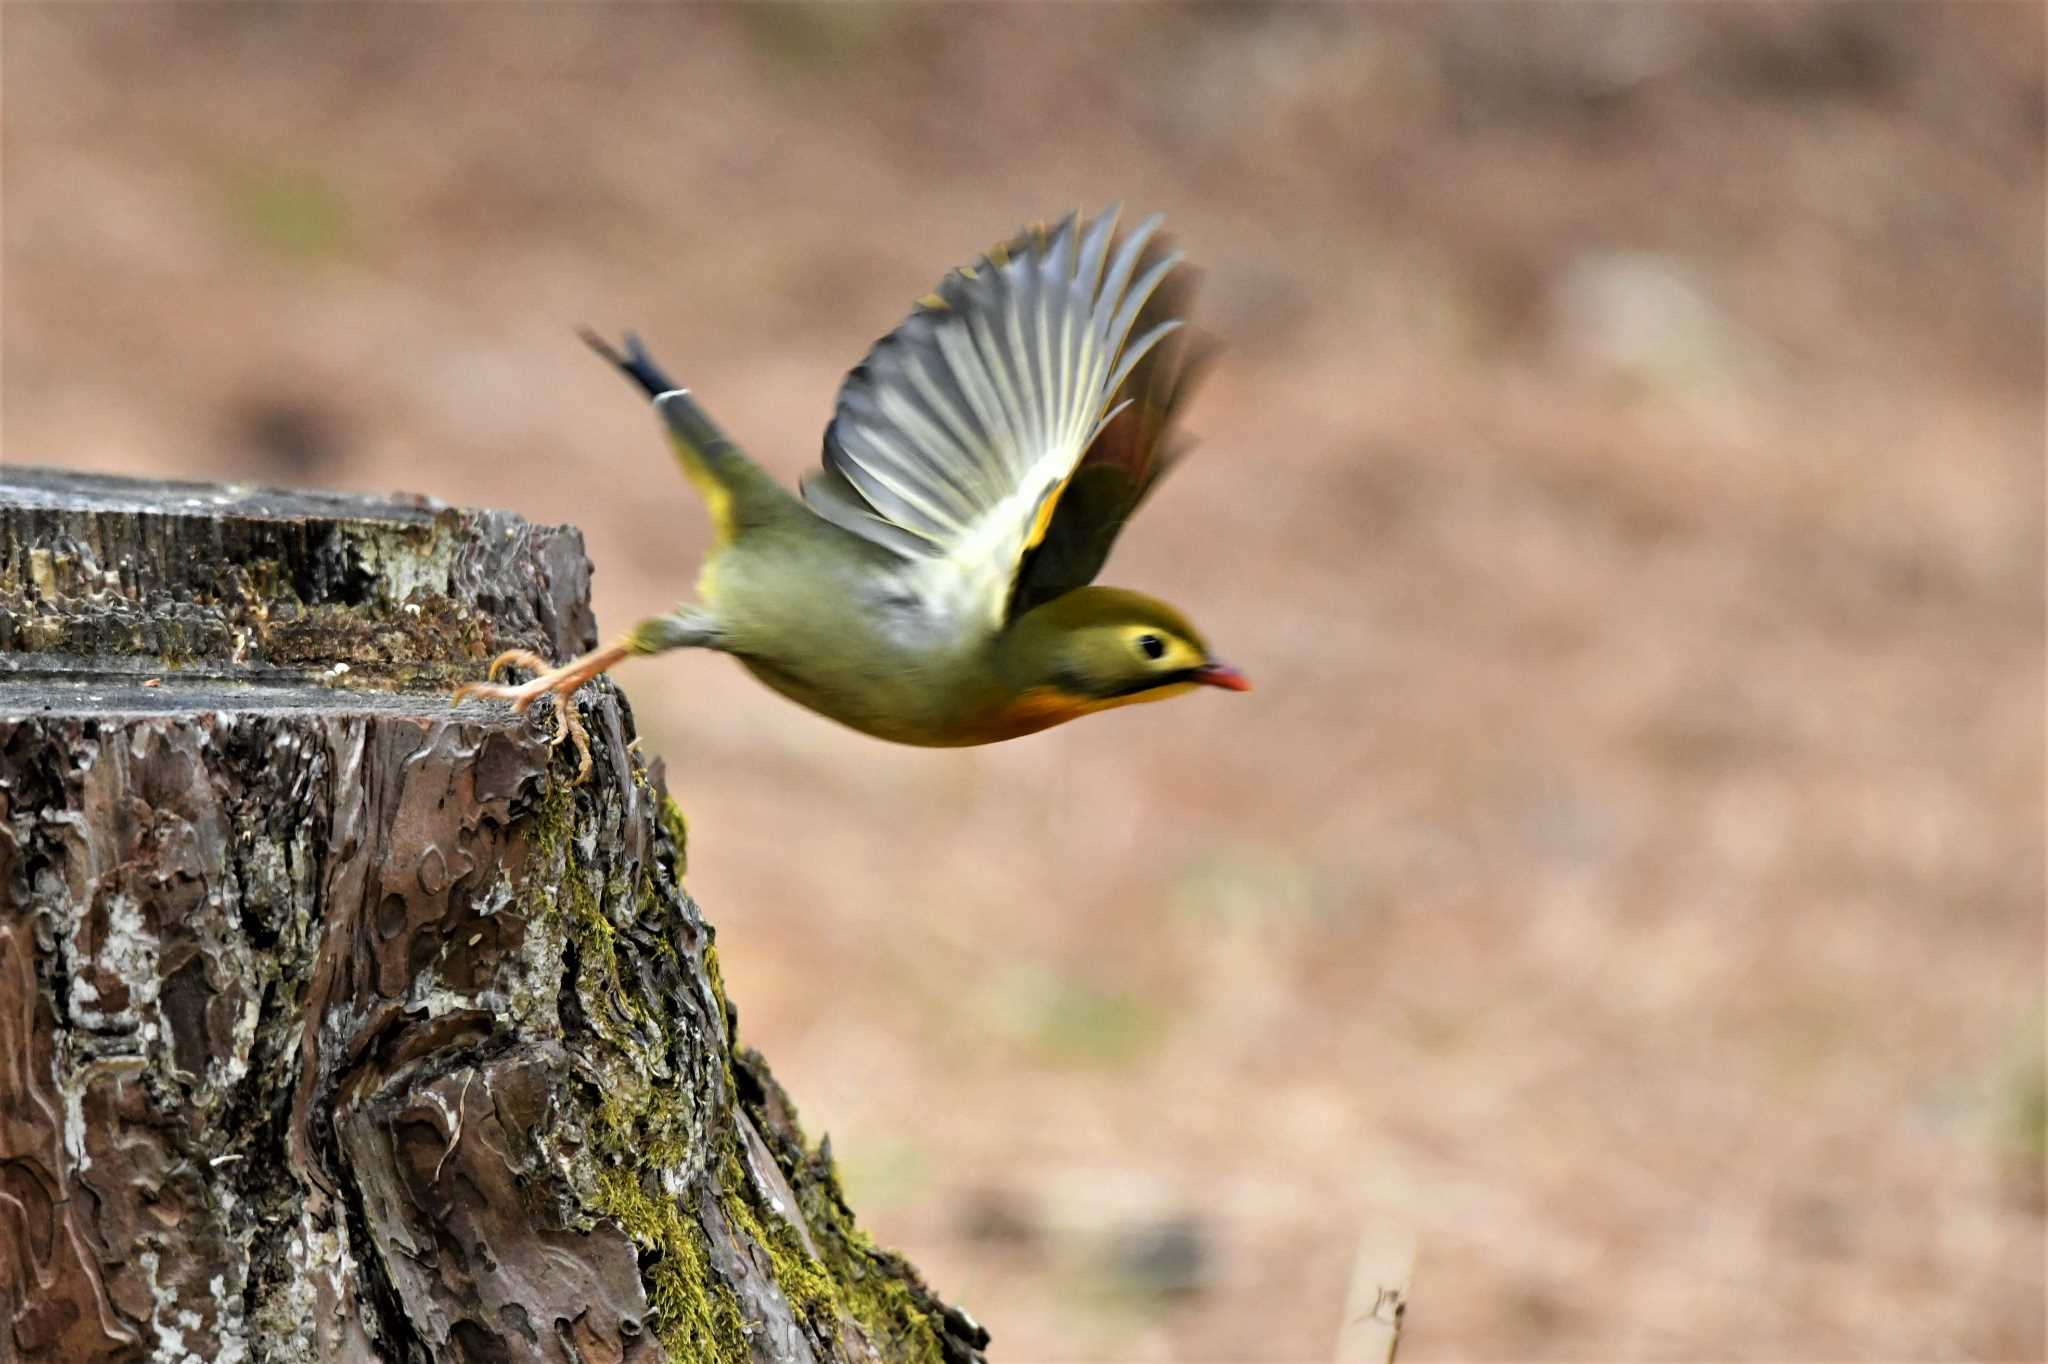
x,y
1624,484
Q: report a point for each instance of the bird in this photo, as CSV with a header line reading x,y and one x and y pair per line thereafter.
x,y
932,582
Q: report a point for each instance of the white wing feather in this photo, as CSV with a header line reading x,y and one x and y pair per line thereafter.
x,y
954,433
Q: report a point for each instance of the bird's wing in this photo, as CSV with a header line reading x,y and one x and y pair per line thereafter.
x,y
1132,452
953,440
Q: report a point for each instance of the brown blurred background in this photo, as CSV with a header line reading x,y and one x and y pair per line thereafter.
x,y
1624,484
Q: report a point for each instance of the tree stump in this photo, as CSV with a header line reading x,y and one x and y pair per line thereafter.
x,y
335,1024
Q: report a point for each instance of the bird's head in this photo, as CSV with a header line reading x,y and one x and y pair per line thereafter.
x,y
1098,647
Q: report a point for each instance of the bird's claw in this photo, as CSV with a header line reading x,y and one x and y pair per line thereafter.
x,y
560,683
517,658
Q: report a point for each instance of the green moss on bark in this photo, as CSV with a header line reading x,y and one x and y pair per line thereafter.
x,y
876,1288
645,1130
678,830
655,1134
696,1316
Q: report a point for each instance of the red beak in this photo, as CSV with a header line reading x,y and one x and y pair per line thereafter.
x,y
1214,674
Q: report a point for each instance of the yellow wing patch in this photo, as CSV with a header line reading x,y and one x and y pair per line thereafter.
x,y
1046,507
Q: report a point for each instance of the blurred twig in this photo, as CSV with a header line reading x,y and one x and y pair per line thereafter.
x,y
1378,1301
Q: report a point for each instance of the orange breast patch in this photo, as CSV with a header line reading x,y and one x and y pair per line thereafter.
x,y
1030,711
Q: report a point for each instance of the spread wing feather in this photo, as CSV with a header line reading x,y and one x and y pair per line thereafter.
x,y
1134,449
953,440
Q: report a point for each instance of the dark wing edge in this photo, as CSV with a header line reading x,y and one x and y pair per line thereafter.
x,y
1131,454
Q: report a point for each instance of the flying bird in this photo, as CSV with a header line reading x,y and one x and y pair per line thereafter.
x,y
931,584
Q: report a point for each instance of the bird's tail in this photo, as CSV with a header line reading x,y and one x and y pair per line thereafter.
x,y
636,364
735,488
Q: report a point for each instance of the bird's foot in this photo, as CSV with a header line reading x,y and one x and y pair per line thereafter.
x,y
560,683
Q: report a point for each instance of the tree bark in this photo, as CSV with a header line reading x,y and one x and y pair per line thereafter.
x,y
336,1024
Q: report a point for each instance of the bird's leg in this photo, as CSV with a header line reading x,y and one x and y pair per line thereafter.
x,y
560,683
685,628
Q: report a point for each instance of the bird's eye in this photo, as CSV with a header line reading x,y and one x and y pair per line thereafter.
x,y
1152,646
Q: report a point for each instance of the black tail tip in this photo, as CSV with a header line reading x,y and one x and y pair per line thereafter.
x,y
636,364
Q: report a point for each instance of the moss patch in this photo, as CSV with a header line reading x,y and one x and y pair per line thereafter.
x,y
878,1289
696,1316
667,1116
874,1288
678,829
804,1282
647,1122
